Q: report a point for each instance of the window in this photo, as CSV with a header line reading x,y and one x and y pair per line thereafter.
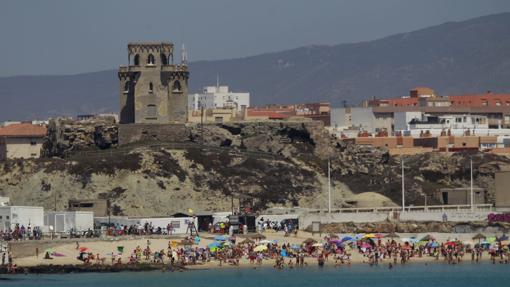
x,y
33,142
137,60
498,103
458,120
7,217
177,86
151,112
151,60
151,87
33,155
164,60
484,103
126,87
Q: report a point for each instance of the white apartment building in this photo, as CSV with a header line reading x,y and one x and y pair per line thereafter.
x,y
218,97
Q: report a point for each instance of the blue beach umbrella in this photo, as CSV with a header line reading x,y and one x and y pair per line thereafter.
x,y
220,238
359,236
347,238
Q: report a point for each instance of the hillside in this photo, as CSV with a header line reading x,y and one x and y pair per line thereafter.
x,y
453,58
270,164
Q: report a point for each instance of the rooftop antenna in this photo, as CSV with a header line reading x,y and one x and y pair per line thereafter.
x,y
217,80
184,55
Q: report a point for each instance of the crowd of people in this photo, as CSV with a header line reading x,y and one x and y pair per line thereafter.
x,y
20,232
374,249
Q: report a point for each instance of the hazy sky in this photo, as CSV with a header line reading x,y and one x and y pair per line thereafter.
x,y
69,37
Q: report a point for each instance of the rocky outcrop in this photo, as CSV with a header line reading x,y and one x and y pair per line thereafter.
x,y
67,136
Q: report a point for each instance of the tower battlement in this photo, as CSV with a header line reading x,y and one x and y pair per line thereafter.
x,y
152,88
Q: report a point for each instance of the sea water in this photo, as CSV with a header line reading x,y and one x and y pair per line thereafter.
x,y
432,275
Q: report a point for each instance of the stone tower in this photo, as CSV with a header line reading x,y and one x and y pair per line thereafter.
x,y
152,88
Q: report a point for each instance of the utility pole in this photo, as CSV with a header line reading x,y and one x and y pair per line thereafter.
x,y
329,186
471,191
403,186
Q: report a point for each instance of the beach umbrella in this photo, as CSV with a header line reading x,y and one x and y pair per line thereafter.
x,y
310,241
266,242
502,238
83,249
258,236
359,236
433,244
392,235
58,254
317,245
247,241
479,237
366,245
450,243
413,240
214,244
427,237
491,239
370,235
227,243
260,248
347,238
49,251
336,241
220,238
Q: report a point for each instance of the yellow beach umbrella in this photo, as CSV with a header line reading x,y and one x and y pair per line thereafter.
x,y
370,235
260,248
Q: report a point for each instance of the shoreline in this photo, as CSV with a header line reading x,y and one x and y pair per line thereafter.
x,y
48,269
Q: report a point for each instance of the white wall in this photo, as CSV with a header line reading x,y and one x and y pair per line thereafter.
x,y
64,221
22,215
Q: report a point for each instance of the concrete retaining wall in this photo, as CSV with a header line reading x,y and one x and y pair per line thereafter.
x,y
129,133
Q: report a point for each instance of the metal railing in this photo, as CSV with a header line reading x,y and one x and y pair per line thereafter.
x,y
423,208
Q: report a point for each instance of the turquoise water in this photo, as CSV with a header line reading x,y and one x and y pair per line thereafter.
x,y
410,275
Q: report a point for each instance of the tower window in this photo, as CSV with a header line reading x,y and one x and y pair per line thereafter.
x,y
164,60
151,87
150,60
126,87
177,86
137,60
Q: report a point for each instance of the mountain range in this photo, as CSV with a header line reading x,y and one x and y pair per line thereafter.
x,y
470,56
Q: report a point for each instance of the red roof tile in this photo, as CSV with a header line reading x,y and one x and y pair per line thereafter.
x,y
23,130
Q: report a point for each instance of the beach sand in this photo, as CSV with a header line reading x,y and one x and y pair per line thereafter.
x,y
105,247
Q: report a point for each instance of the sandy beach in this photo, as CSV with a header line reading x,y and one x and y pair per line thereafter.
x,y
69,249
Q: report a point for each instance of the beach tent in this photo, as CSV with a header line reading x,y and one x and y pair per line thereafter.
x,y
260,248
